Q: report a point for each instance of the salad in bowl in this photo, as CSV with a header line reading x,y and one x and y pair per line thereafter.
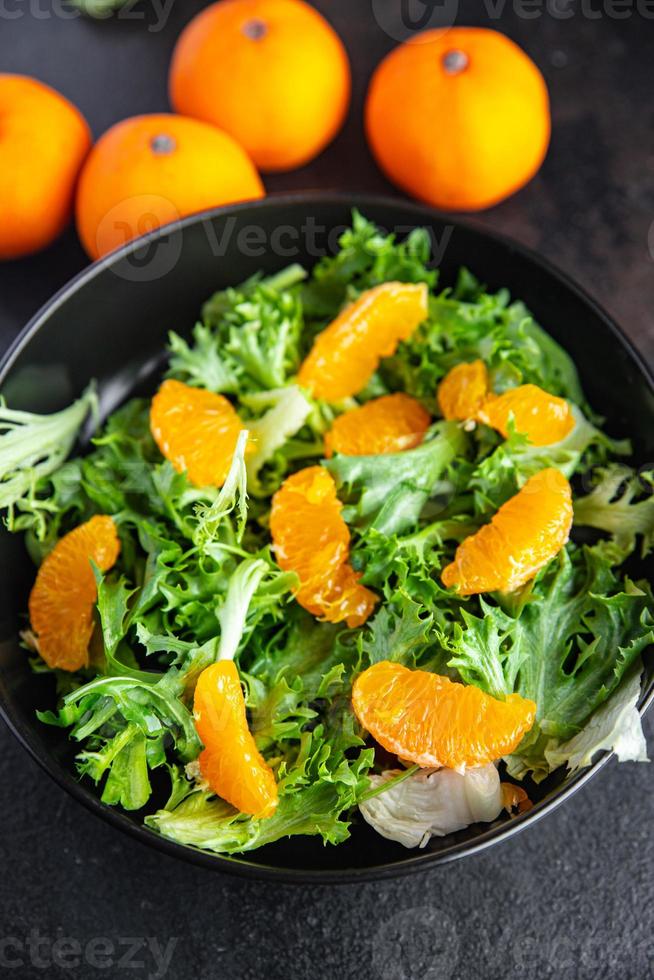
x,y
363,555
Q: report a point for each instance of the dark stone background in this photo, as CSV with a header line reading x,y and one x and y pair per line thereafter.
x,y
572,896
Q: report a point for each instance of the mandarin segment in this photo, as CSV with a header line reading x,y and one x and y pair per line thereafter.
x,y
347,353
196,430
62,599
389,424
523,536
463,391
231,762
311,539
542,417
432,721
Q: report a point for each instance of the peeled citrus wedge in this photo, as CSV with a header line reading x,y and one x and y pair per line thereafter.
x,y
432,721
542,417
311,539
523,536
196,430
463,391
389,424
64,594
231,762
347,353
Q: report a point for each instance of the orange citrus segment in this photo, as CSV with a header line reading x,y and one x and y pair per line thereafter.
x,y
515,798
346,354
463,391
389,424
542,417
196,430
311,539
231,762
62,599
432,721
525,533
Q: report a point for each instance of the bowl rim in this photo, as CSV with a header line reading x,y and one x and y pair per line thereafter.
x,y
240,865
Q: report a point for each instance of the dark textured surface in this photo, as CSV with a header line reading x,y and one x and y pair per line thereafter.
x,y
571,897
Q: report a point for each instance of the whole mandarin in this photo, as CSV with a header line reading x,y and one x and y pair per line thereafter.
x,y
458,118
43,142
273,73
150,170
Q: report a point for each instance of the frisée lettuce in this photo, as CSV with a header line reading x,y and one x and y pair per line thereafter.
x,y
197,578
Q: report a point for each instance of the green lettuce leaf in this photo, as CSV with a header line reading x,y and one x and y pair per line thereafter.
x,y
505,470
365,258
469,323
621,504
389,492
566,643
287,411
125,722
32,447
249,339
615,727
204,821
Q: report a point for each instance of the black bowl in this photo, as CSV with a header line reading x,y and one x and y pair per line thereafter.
x,y
110,323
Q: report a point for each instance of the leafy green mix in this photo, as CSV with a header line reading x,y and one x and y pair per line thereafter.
x,y
196,578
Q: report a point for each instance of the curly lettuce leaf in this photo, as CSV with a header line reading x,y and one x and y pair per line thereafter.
x,y
615,726
248,340
575,632
622,505
287,411
468,323
399,631
365,258
388,492
33,447
507,468
125,723
212,519
205,821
